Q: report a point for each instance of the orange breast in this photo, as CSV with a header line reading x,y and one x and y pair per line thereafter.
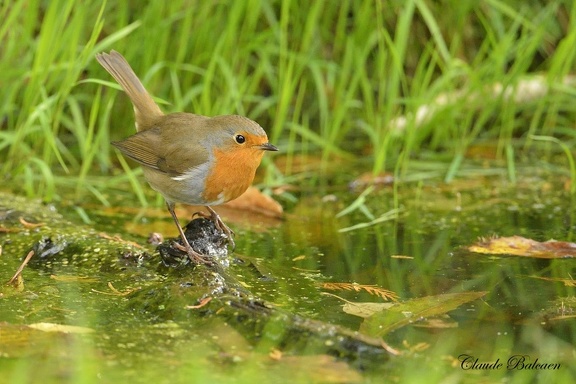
x,y
232,173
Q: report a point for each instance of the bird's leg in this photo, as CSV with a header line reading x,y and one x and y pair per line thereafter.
x,y
192,254
219,224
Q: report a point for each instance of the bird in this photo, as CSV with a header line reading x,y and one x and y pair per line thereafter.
x,y
189,158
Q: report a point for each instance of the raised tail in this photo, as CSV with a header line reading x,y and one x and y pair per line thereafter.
x,y
145,109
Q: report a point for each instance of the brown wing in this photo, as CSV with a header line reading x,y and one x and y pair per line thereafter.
x,y
185,137
142,147
163,152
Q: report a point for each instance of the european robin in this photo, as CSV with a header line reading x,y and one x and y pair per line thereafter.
x,y
188,158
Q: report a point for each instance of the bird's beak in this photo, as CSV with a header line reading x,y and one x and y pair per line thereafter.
x,y
267,147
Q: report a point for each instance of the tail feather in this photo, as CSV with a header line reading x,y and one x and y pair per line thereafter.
x,y
145,109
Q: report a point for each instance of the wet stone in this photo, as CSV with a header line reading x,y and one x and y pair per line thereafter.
x,y
204,237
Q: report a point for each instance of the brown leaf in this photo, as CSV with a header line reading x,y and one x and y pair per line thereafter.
x,y
251,207
520,246
255,201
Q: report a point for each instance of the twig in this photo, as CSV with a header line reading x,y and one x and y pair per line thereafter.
x,y
202,303
21,267
120,240
29,225
116,292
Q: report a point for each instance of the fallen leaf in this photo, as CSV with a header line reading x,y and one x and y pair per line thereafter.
x,y
62,328
250,208
413,311
520,246
255,201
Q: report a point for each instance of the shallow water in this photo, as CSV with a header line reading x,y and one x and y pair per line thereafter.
x,y
422,253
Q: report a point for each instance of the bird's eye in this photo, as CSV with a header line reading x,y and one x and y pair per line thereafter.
x,y
240,139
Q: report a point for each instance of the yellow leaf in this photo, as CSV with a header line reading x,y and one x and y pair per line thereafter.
x,y
520,246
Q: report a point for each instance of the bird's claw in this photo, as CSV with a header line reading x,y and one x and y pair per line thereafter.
x,y
194,256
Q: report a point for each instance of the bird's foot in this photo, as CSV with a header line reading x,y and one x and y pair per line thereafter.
x,y
194,256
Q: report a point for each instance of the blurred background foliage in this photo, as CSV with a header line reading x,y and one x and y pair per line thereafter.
x,y
380,85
